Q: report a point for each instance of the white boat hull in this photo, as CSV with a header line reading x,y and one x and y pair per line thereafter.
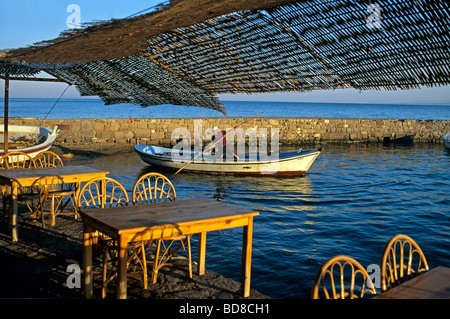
x,y
447,140
286,164
44,137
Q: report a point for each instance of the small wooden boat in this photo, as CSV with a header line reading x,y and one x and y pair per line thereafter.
x,y
28,139
447,140
286,164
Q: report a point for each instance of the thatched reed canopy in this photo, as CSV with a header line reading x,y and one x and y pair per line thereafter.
x,y
187,51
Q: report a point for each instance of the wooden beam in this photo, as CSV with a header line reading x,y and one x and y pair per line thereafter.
x,y
16,78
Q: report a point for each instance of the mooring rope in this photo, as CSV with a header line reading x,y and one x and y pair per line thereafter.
x,y
48,113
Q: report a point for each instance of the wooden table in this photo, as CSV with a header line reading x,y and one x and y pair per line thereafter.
x,y
163,220
434,284
15,178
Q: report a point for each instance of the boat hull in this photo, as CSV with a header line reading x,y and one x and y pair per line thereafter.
x,y
447,140
286,164
45,138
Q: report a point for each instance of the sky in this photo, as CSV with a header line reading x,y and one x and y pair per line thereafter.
x,y
24,22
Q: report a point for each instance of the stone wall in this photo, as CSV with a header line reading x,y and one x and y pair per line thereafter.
x,y
291,130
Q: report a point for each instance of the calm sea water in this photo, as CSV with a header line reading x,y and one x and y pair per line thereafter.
x,y
76,108
354,198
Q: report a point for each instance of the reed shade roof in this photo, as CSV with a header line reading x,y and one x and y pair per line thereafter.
x,y
187,51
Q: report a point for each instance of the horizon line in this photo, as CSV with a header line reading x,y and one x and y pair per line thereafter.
x,y
441,103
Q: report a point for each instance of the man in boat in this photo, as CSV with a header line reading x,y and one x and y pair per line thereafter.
x,y
218,134
221,147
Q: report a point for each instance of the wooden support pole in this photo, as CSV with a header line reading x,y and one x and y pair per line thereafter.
x,y
6,115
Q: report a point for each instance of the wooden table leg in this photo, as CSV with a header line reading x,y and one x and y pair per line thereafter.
x,y
87,261
122,268
103,194
14,212
246,258
201,253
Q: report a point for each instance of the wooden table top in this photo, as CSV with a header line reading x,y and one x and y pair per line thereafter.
x,y
434,284
61,174
135,218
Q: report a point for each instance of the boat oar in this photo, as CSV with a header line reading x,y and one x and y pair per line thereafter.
x,y
214,144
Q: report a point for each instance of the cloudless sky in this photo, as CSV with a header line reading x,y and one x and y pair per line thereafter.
x,y
24,22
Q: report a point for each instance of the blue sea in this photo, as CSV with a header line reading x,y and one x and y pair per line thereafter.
x,y
351,202
86,108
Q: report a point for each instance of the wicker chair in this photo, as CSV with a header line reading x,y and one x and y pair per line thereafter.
x,y
19,160
47,159
329,281
402,259
15,160
102,193
57,191
153,188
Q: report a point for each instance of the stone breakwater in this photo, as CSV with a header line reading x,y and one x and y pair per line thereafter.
x,y
291,130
